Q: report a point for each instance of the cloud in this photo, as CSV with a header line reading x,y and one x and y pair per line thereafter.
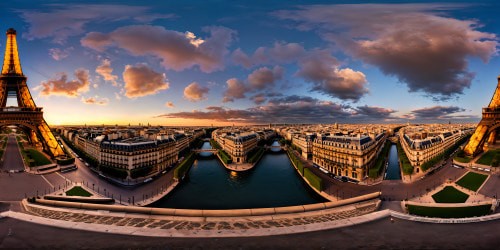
x,y
374,112
323,70
105,70
118,96
414,42
176,50
95,100
59,54
236,89
63,21
264,77
281,52
435,112
316,66
62,86
195,92
169,105
259,98
140,80
290,110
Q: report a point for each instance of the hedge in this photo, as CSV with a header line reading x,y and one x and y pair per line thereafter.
x,y
407,167
255,155
184,166
430,163
65,161
315,181
296,161
225,157
140,172
284,141
450,212
379,164
215,144
114,172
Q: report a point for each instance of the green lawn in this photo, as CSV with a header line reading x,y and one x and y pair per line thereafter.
x,y
472,181
450,194
488,157
78,191
464,159
450,212
38,157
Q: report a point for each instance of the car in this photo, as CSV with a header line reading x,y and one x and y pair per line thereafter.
x,y
148,180
344,179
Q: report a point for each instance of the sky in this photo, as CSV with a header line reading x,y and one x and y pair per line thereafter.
x,y
256,62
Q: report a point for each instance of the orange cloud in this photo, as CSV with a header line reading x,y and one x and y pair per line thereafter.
x,y
140,80
105,70
195,92
169,105
95,100
61,86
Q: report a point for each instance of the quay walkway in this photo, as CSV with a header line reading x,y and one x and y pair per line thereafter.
x,y
195,226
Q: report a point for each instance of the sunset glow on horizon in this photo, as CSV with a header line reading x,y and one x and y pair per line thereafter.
x,y
189,65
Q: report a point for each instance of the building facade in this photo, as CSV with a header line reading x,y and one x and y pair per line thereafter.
x,y
349,156
421,145
305,143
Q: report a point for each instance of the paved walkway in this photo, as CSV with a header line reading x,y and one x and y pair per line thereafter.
x,y
139,224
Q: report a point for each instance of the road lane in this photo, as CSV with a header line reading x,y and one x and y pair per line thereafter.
x,y
12,159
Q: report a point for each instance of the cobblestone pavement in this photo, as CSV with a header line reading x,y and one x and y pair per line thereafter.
x,y
181,223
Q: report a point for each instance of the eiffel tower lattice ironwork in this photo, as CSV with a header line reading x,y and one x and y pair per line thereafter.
x,y
26,115
487,129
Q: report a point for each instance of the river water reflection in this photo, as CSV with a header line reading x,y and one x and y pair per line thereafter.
x,y
272,183
393,172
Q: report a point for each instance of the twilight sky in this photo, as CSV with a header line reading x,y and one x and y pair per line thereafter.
x,y
209,62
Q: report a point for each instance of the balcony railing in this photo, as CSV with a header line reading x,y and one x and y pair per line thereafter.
x,y
20,109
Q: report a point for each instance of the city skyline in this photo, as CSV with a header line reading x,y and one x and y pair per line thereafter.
x,y
93,63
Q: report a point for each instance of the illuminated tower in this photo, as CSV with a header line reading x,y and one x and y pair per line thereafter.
x,y
26,115
486,131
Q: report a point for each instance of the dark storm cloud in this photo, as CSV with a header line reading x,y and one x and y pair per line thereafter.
x,y
421,47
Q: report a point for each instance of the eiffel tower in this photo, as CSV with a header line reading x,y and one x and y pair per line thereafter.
x,y
487,129
27,116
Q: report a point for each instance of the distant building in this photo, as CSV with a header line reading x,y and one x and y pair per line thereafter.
x,y
305,143
422,144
